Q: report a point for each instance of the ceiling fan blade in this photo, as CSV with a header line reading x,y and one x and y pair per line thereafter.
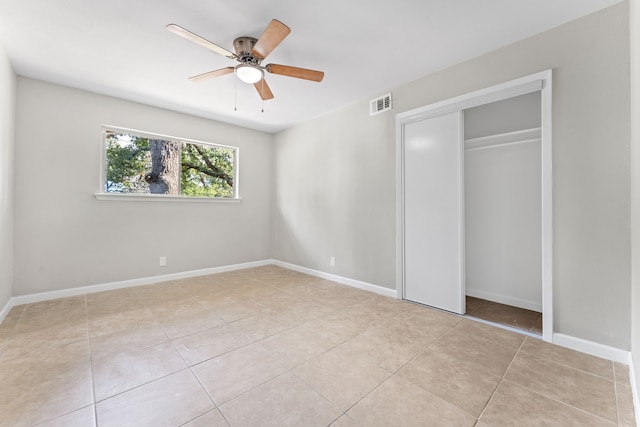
x,y
275,32
263,89
212,74
300,73
177,29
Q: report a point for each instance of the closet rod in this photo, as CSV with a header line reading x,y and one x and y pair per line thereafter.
x,y
508,138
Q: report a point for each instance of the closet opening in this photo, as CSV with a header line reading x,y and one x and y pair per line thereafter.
x,y
474,205
503,212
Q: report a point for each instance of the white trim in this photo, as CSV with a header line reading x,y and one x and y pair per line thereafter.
x,y
400,266
44,296
462,303
6,309
521,86
63,293
592,348
517,137
567,341
134,197
339,279
154,135
504,299
547,206
506,144
542,82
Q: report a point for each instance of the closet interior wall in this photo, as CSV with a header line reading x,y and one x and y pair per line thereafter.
x,y
502,170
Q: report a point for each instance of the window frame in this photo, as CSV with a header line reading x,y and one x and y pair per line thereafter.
x,y
104,195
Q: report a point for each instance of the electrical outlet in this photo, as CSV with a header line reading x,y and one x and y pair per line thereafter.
x,y
332,261
163,261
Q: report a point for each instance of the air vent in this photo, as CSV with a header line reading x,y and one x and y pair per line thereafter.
x,y
381,104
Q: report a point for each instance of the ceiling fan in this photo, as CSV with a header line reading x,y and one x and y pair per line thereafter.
x,y
250,52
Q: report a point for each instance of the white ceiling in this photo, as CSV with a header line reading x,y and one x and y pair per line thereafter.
x,y
365,47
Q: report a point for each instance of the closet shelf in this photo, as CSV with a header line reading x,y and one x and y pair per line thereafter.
x,y
519,136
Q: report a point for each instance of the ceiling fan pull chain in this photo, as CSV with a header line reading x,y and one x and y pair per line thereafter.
x,y
262,94
235,94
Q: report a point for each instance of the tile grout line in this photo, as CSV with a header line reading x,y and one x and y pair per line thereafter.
x,y
62,415
547,360
259,342
615,393
501,379
93,403
291,370
203,388
615,386
392,374
141,385
546,396
93,380
187,365
564,403
287,369
148,382
263,383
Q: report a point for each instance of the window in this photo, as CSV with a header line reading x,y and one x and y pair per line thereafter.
x,y
139,163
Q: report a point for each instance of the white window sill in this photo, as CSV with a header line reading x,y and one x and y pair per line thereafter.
x,y
163,198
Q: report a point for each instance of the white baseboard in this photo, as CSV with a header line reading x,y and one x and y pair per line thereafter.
x,y
339,279
592,348
504,299
5,310
574,343
63,293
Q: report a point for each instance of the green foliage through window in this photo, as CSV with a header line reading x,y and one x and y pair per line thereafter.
x,y
147,165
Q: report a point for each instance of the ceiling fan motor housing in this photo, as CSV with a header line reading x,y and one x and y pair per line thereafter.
x,y
243,47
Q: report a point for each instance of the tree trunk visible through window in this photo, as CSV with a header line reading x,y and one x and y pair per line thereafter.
x,y
146,165
164,177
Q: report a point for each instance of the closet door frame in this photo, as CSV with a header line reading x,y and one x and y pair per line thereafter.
x,y
542,82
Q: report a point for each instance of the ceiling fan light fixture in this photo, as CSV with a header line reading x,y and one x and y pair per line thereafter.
x,y
249,73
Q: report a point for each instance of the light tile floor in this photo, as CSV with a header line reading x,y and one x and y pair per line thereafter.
x,y
272,347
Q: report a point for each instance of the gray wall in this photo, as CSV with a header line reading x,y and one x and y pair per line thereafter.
x,y
509,115
335,189
635,184
335,184
7,125
65,238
